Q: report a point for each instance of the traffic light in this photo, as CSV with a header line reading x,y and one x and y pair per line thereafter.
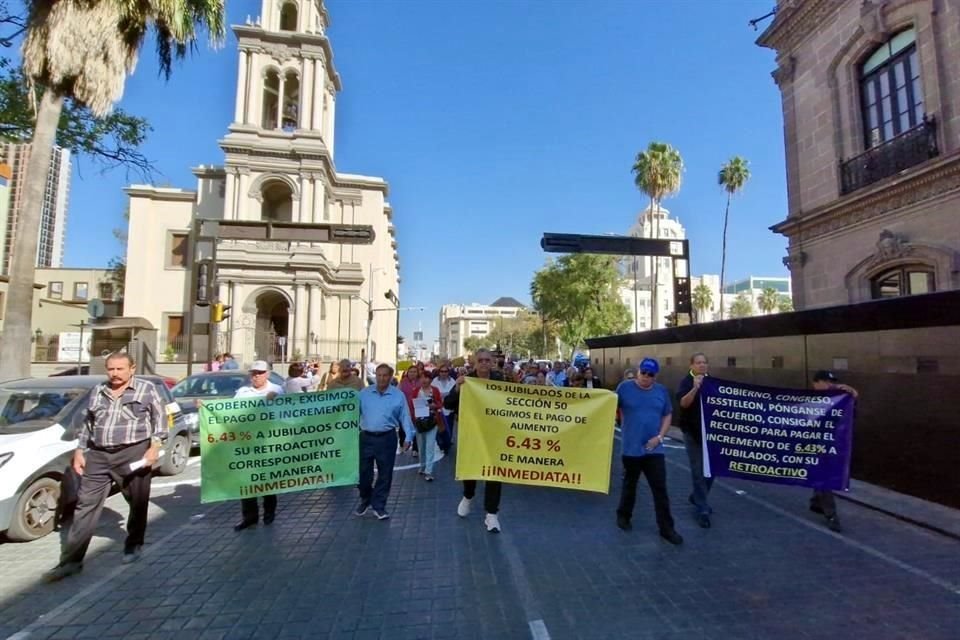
x,y
203,285
219,313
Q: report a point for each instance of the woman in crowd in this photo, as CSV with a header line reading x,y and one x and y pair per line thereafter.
x,y
331,373
445,383
591,381
297,383
425,407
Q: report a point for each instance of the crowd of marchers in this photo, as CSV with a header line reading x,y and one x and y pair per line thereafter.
x,y
124,425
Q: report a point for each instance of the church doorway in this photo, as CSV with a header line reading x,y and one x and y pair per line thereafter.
x,y
272,326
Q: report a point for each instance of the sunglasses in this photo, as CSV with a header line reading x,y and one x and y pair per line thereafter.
x,y
257,373
648,374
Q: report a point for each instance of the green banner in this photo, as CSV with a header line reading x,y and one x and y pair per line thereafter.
x,y
253,446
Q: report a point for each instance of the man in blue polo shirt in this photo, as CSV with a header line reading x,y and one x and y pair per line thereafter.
x,y
383,409
646,409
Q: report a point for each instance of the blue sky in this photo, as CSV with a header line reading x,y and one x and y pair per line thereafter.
x,y
496,121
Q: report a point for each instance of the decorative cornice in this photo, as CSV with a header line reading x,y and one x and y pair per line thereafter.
x,y
924,182
794,22
252,37
795,260
160,193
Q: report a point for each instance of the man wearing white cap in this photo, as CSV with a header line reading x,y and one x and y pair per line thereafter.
x,y
260,385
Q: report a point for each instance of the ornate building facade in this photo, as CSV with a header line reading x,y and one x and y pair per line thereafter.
x,y
871,106
287,299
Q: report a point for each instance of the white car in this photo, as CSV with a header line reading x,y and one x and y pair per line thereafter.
x,y
39,419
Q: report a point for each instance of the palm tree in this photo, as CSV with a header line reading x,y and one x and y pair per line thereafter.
x,y
83,49
702,299
741,307
785,304
769,300
657,172
733,175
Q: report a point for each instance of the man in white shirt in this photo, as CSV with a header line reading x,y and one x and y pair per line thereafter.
x,y
557,377
260,386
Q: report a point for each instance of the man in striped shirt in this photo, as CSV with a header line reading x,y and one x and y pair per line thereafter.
x,y
120,441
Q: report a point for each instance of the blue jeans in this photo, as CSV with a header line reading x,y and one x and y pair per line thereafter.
x,y
382,449
701,485
427,445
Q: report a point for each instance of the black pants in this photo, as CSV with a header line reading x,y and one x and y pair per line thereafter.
x,y
655,468
102,468
491,494
251,510
380,448
825,501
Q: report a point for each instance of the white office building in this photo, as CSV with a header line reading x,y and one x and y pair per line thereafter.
x,y
461,321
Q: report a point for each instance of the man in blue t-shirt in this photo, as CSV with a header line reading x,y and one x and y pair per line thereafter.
x,y
646,409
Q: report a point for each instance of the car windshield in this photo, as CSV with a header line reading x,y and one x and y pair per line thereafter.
x,y
23,404
219,385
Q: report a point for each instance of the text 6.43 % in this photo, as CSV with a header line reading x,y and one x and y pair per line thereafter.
x,y
229,436
532,444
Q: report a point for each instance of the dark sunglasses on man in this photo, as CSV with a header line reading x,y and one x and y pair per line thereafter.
x,y
647,373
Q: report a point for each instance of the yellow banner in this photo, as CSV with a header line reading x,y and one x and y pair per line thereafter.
x,y
528,434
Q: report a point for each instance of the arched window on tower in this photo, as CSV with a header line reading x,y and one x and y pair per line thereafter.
x,y
288,17
291,101
277,202
271,99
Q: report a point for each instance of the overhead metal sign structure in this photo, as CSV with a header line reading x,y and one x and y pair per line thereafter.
x,y
677,250
203,268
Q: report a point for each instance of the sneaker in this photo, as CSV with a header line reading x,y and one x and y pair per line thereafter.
x,y
361,510
463,509
132,555
428,477
704,521
833,523
416,454
492,523
381,515
62,571
624,522
672,537
420,472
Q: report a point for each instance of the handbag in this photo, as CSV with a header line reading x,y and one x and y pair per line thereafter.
x,y
425,425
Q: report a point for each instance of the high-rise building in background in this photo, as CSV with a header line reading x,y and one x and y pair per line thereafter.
x,y
53,222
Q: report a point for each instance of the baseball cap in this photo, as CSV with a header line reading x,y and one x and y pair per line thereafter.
x,y
824,376
649,364
259,365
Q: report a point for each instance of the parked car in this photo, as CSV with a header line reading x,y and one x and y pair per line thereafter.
x,y
84,370
208,385
39,422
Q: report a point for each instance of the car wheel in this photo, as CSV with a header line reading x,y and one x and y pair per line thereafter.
x,y
34,515
178,453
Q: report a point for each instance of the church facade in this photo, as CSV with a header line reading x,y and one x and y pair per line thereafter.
x,y
288,300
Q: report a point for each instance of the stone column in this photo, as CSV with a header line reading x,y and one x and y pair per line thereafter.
x,y
317,96
282,85
230,185
329,124
303,213
240,112
232,301
243,185
309,317
306,92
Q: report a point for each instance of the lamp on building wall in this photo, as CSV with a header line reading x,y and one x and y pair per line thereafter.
x,y
37,335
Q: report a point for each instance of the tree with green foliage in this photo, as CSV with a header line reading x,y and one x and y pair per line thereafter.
x,y
578,295
741,307
657,173
702,299
768,300
732,176
785,304
472,343
82,50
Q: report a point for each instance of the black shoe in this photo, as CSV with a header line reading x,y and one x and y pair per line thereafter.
x,y
704,521
624,523
62,571
268,518
833,523
816,508
244,524
672,537
362,509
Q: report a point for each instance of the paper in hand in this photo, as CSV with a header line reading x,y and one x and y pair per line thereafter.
x,y
420,408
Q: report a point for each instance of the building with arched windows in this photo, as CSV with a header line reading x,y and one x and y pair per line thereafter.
x,y
287,299
871,107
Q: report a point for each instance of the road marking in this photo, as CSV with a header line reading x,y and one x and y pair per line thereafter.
x,y
531,608
865,548
48,617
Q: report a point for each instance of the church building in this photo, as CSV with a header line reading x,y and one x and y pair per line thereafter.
x,y
287,300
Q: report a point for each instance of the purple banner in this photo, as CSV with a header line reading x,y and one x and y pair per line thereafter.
x,y
784,436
